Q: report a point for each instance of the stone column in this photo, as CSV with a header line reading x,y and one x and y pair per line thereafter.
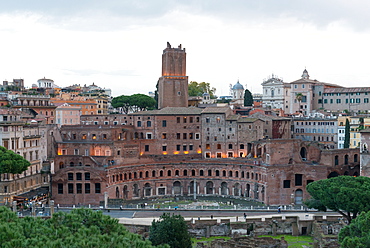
x,y
51,207
105,200
14,205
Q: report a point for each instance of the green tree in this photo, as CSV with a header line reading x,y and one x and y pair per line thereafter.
x,y
133,103
347,195
347,134
248,98
197,89
171,230
80,228
11,162
356,234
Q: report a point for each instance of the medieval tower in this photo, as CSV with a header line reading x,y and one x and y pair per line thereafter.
x,y
173,85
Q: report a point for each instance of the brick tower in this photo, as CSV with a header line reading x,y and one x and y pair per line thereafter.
x,y
173,85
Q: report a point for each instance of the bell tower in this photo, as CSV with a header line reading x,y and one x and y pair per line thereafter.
x,y
173,84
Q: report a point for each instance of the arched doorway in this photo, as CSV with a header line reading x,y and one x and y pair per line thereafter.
x,y
303,153
117,192
333,174
191,188
125,192
209,188
135,191
248,190
147,190
237,189
298,197
224,189
176,188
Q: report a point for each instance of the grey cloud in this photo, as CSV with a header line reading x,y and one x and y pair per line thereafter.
x,y
74,72
112,14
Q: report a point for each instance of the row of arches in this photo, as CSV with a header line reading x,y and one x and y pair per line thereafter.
x,y
187,173
178,188
346,159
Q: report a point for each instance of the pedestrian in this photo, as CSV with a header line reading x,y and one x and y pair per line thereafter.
x,y
245,216
279,209
211,217
198,218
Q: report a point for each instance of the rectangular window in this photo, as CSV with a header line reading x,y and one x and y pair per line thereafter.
x,y
207,120
286,184
178,119
325,101
79,176
164,123
164,135
164,148
191,119
197,136
147,148
178,136
338,100
87,188
70,176
178,147
190,147
79,188
87,176
97,188
298,179
358,100
60,188
184,119
184,135
149,124
184,147
366,100
70,188
191,135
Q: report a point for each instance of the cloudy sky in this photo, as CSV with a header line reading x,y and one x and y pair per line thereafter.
x,y
118,44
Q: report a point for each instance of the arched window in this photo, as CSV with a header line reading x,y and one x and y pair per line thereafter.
x,y
161,173
169,173
346,159
217,173
336,161
201,173
185,172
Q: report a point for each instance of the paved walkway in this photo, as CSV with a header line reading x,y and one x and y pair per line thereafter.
x,y
148,220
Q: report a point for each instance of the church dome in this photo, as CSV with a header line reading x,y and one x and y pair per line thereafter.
x,y
238,86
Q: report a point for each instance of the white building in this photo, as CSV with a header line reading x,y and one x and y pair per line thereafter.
x,y
273,93
46,83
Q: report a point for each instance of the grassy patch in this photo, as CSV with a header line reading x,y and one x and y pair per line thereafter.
x,y
294,241
195,240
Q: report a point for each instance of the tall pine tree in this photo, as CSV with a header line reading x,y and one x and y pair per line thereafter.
x,y
347,134
248,98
